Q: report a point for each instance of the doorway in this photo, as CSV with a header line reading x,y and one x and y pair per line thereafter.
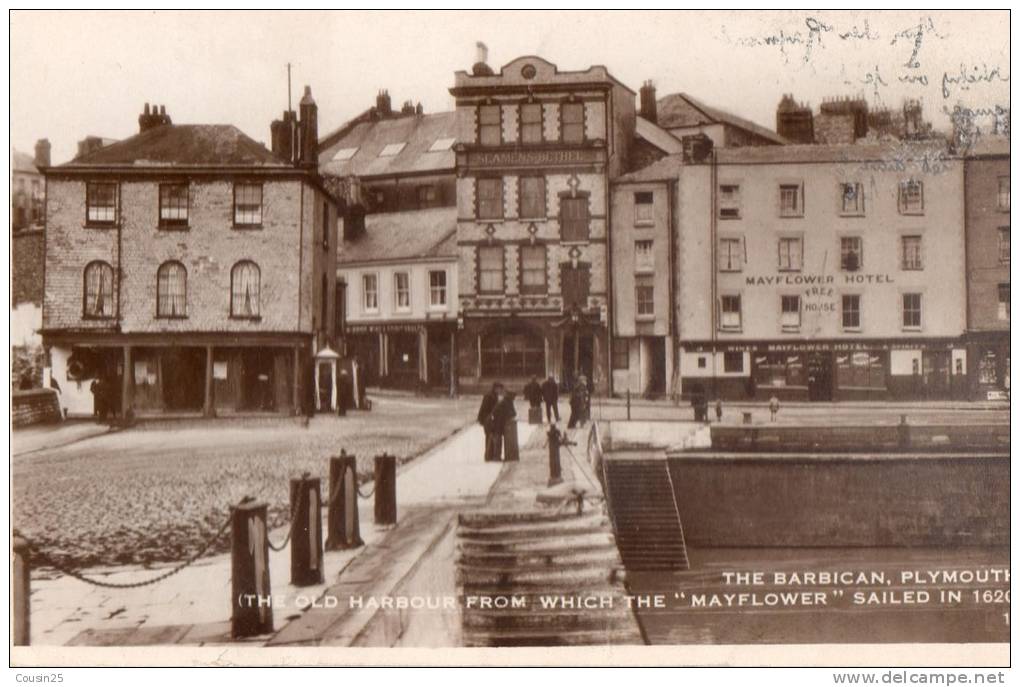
x,y
578,357
819,380
935,369
183,377
657,366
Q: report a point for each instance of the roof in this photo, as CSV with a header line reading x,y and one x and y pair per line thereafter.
x,y
367,139
183,145
22,162
988,146
887,151
413,235
658,137
679,110
663,168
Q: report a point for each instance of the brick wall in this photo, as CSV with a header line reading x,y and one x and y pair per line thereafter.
x,y
983,219
34,407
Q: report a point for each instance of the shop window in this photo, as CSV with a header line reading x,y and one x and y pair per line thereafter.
x,y
1003,245
621,354
490,197
730,313
171,290
779,370
791,254
173,205
512,355
644,296
370,293
851,253
733,361
533,270
911,311
851,311
731,255
729,201
791,201
1004,301
790,313
574,218
437,288
401,290
643,205
531,123
98,290
860,370
851,199
910,258
245,286
644,255
572,122
490,125
100,203
532,197
247,205
1003,197
911,197
490,269
987,369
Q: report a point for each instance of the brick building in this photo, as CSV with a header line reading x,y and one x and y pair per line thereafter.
x,y
28,190
189,269
986,203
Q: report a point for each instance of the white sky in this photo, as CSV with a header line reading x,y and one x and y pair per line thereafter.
x,y
80,73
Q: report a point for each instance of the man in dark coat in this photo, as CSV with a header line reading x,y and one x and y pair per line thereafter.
x,y
502,414
551,394
493,431
579,400
533,393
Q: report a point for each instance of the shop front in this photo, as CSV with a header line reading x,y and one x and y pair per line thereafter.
x,y
989,357
414,355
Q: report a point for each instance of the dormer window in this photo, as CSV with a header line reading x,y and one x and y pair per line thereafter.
x,y
442,144
344,154
391,149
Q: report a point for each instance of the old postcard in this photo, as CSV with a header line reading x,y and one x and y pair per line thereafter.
x,y
503,338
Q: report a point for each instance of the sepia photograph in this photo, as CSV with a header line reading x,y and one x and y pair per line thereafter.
x,y
511,338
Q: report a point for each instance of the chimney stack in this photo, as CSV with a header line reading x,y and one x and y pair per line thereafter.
x,y
794,121
649,107
150,119
383,107
481,66
309,130
42,153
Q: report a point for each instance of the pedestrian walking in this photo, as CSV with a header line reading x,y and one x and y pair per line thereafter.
x,y
773,407
502,416
493,433
718,410
551,396
579,400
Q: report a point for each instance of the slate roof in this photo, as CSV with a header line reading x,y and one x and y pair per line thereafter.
x,y
657,136
418,132
183,145
664,168
395,236
679,110
22,162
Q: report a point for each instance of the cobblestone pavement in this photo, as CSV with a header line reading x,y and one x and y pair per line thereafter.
x,y
157,495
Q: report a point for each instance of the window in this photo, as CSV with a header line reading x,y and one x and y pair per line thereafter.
x,y
532,197
490,125
533,269
344,154
1003,301
247,205
621,354
733,361
779,369
644,256
911,311
173,204
171,290
851,197
391,149
245,286
702,362
512,354
490,269
101,203
731,255
911,253
791,255
427,196
861,370
644,296
851,257
370,293
575,283
1003,194
401,291
729,201
730,313
437,288
531,123
790,202
98,291
911,199
1004,245
442,144
789,316
643,207
490,198
574,218
851,311
572,122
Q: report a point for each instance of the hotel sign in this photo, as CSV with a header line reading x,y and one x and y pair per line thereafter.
x,y
535,158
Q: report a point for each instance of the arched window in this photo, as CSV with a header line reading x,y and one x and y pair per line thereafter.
x,y
244,289
171,290
98,290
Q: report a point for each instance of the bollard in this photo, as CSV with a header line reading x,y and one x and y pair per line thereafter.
x,y
249,571
628,404
306,531
342,527
903,434
555,471
385,489
21,583
511,450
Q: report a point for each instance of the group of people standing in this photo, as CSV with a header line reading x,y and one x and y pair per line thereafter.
x,y
497,408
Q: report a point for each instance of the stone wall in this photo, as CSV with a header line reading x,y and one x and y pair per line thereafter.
x,y
33,407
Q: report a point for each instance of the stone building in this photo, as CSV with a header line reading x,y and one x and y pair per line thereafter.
x,y
188,269
28,190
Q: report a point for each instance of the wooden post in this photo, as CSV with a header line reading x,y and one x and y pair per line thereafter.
x,y
423,355
296,382
385,489
21,590
453,363
209,410
126,387
250,592
342,527
306,531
